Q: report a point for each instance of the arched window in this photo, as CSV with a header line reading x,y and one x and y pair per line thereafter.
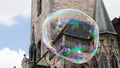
x,y
114,62
31,56
39,7
73,65
55,67
94,63
103,62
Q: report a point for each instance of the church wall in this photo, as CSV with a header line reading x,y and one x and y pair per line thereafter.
x,y
48,6
75,4
108,47
87,6
37,21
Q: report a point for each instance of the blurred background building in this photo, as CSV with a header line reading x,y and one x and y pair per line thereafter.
x,y
25,61
108,54
116,24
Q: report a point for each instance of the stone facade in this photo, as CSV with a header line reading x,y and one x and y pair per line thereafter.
x,y
108,55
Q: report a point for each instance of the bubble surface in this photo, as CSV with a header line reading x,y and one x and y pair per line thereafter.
x,y
71,34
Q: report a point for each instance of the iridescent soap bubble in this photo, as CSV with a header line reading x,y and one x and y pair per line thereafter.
x,y
71,34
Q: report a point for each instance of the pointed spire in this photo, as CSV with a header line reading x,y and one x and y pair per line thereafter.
x,y
33,36
102,18
32,48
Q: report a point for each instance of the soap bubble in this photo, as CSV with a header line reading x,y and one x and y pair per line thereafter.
x,y
71,34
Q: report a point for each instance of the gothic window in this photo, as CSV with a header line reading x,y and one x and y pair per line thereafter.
x,y
39,44
103,62
38,52
101,42
31,56
34,55
112,42
81,66
114,62
73,65
39,7
94,63
55,67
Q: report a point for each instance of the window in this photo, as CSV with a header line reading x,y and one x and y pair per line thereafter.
x,y
103,62
39,44
55,67
38,50
73,65
94,63
81,66
112,42
31,56
39,7
101,42
34,55
114,62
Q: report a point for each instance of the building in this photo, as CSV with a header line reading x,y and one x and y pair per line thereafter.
x,y
108,54
116,24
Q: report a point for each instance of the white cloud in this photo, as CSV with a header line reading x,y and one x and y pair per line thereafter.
x,y
112,7
10,58
10,9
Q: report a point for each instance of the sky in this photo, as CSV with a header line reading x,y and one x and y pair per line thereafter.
x,y
15,21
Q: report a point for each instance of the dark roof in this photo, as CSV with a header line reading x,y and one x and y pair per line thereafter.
x,y
102,18
75,28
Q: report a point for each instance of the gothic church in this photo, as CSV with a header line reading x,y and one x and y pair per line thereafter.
x,y
108,54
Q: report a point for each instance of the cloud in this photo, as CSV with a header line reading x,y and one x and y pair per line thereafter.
x,y
10,9
10,58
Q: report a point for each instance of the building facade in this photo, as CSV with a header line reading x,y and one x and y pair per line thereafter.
x,y
108,54
116,24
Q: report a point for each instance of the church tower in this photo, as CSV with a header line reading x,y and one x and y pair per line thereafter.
x,y
108,55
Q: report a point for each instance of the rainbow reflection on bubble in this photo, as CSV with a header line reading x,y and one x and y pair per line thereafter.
x,y
71,34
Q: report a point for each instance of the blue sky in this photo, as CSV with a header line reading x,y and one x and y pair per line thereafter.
x,y
16,37
15,26
15,22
